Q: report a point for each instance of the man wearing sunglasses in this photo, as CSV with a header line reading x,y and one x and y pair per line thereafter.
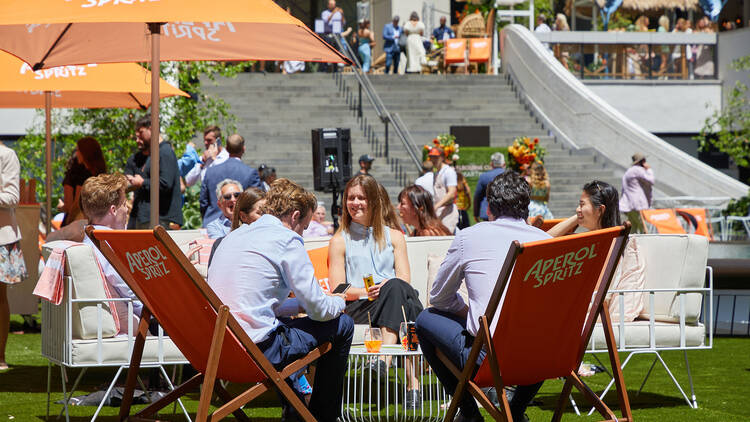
x,y
227,193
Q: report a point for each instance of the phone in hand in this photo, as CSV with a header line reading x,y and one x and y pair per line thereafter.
x,y
218,141
341,288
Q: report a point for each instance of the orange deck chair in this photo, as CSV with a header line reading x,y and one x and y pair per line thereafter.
x,y
548,224
545,320
455,52
197,322
698,218
663,221
479,51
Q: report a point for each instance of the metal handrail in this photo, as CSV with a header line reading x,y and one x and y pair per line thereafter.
x,y
385,116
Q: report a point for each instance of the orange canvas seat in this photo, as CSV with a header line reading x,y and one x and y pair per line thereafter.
x,y
540,317
198,323
548,224
319,259
663,221
697,218
479,50
455,51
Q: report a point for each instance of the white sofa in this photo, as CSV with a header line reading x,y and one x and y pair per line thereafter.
x,y
677,302
81,332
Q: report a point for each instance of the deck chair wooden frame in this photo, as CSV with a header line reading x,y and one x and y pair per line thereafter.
x,y
227,336
598,309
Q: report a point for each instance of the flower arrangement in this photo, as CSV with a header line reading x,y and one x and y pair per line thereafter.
x,y
448,143
525,151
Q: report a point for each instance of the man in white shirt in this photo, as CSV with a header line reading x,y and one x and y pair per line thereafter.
x,y
427,179
445,189
227,192
213,154
475,257
542,27
103,202
253,271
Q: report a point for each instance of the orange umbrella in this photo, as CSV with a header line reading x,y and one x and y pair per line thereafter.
x,y
123,85
63,32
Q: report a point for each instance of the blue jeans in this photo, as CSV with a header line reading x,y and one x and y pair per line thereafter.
x,y
392,56
295,338
365,56
446,331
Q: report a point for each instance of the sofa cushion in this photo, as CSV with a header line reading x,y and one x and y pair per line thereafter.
x,y
674,261
638,335
117,351
87,283
630,275
433,265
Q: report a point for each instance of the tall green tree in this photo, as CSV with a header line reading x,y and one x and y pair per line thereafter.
x,y
181,119
728,129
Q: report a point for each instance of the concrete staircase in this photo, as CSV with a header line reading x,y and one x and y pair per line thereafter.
x,y
275,113
431,104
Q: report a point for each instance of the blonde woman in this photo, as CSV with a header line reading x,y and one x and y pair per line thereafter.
x,y
540,188
561,23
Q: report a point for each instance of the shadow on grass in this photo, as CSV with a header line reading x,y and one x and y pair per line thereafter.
x,y
25,379
162,417
644,400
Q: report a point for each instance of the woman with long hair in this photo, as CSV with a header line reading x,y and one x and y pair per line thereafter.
x,y
87,161
366,42
390,216
365,246
540,188
598,208
417,210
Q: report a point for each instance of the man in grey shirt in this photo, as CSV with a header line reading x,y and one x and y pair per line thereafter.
x,y
475,257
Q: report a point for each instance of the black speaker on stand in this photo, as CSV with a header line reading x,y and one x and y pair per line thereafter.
x,y
332,163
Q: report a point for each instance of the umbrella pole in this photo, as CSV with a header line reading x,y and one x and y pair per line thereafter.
x,y
48,157
155,29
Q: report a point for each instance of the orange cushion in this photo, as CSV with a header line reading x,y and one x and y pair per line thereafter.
x,y
664,220
479,49
455,50
319,259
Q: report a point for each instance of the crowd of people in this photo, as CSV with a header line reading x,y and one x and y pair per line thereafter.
x,y
259,257
661,60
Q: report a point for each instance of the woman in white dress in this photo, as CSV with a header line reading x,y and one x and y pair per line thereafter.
x,y
415,53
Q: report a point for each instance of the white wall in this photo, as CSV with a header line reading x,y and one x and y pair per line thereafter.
x,y
663,106
15,121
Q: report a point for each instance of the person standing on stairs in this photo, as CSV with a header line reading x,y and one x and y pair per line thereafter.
x,y
445,187
391,34
637,184
365,164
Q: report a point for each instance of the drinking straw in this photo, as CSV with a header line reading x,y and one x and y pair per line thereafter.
x,y
369,320
403,312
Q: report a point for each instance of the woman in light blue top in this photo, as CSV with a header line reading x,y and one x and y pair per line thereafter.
x,y
366,245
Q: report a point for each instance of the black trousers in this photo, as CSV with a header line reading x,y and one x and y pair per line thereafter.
x,y
385,311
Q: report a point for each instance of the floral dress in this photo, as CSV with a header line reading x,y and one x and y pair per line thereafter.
x,y
12,266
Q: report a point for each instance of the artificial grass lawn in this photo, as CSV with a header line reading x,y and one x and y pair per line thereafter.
x,y
721,377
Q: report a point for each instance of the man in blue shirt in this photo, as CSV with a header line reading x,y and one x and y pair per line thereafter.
x,y
480,194
391,34
443,31
451,322
233,168
253,271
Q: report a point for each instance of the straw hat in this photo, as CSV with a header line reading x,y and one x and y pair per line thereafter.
x,y
638,157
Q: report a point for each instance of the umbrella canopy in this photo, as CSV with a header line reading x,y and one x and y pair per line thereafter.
x,y
66,32
60,32
125,85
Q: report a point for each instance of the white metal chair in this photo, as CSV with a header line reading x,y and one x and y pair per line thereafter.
x,y
678,314
80,332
